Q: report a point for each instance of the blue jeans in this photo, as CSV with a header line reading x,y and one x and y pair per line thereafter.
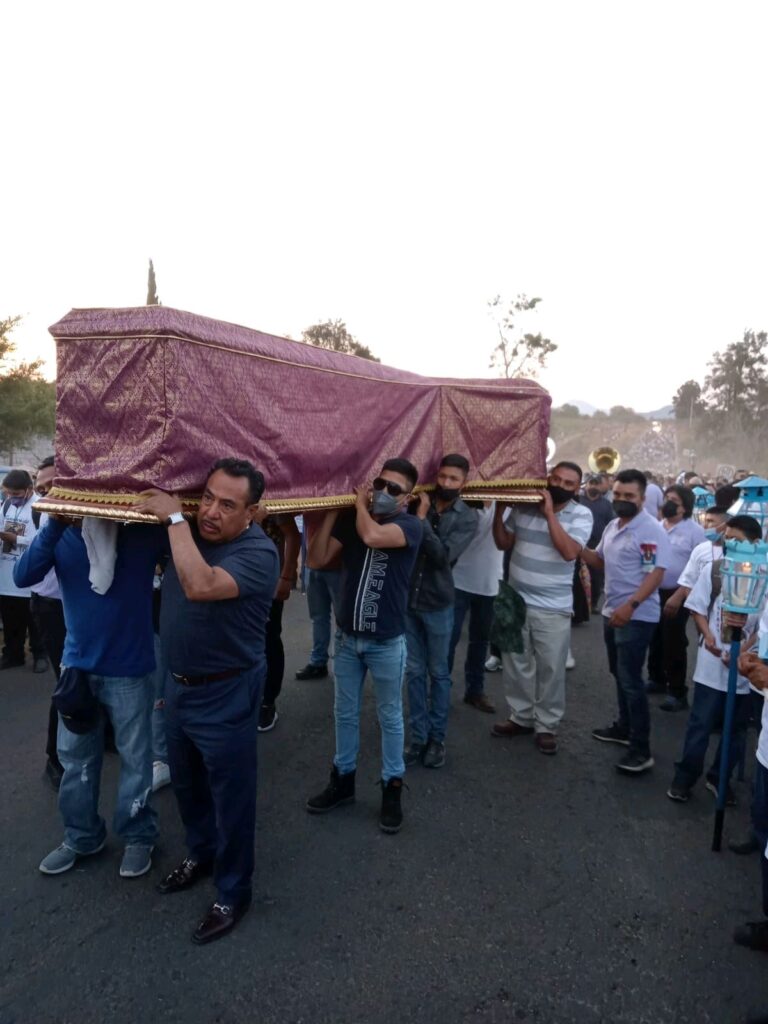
x,y
159,744
627,648
706,715
480,608
322,603
128,700
385,659
212,732
428,635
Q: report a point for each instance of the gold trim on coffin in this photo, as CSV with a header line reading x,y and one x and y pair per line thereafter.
x,y
71,502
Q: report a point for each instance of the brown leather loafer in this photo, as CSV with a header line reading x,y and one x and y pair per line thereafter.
x,y
546,742
479,701
183,877
510,729
220,919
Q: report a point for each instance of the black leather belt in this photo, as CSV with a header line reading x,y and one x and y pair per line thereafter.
x,y
215,677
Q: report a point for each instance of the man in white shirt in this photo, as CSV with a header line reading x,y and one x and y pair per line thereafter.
x,y
545,543
48,617
476,576
710,679
754,934
17,530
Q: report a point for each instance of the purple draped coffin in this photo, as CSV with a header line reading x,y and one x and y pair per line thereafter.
x,y
151,396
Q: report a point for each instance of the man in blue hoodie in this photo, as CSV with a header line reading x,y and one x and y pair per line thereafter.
x,y
110,639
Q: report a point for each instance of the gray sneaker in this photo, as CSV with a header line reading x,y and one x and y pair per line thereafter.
x,y
137,860
63,858
434,756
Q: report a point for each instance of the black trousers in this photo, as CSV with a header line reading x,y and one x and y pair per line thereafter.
x,y
275,654
17,622
48,616
668,657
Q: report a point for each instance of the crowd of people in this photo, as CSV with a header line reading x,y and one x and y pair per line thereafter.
x,y
165,641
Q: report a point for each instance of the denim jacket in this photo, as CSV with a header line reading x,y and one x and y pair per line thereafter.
x,y
444,538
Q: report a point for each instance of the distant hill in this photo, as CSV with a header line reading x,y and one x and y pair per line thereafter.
x,y
667,412
584,407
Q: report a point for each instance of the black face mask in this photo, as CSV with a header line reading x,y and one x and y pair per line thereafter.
x,y
592,493
625,509
669,510
559,494
446,493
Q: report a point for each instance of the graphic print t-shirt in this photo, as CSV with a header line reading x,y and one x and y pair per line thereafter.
x,y
374,581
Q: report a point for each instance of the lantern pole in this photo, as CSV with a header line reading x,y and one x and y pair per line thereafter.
x,y
725,749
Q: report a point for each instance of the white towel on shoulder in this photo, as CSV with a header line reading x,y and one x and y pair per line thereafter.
x,y
100,538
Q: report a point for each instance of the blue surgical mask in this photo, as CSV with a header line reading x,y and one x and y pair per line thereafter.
x,y
18,502
383,504
713,535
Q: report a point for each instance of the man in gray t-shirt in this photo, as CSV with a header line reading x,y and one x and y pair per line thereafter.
x,y
634,551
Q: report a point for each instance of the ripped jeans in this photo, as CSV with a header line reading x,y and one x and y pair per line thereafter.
x,y
128,701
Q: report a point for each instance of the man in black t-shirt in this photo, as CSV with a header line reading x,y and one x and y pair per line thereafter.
x,y
217,593
378,548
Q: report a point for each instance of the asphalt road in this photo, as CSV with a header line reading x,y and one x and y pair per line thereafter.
x,y
521,888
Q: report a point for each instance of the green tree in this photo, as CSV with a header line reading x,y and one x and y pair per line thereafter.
x,y
568,410
518,353
27,399
623,412
687,401
736,387
152,299
333,335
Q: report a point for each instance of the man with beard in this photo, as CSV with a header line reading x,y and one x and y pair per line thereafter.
x,y
545,543
449,526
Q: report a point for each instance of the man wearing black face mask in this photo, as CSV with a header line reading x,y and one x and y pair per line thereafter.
x,y
634,550
17,530
594,499
378,548
545,542
449,526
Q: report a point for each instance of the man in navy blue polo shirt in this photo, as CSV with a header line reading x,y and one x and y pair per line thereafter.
x,y
378,548
217,593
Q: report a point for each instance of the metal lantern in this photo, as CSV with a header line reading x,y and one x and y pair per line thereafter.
x,y
744,573
704,500
753,501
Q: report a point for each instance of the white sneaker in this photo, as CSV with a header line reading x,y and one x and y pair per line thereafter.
x,y
570,661
161,775
493,664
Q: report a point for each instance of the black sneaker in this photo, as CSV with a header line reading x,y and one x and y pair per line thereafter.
x,y
268,717
753,935
679,792
744,846
671,703
634,763
340,790
6,662
391,818
434,755
311,671
414,754
613,734
730,796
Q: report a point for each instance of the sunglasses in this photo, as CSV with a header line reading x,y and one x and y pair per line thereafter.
x,y
380,484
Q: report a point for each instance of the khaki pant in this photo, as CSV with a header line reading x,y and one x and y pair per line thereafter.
x,y
535,680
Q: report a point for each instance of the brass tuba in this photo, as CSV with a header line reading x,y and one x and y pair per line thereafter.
x,y
604,460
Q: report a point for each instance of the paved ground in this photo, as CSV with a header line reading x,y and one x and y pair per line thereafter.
x,y
522,888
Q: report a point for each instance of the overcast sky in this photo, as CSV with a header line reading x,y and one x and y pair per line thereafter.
x,y
397,166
